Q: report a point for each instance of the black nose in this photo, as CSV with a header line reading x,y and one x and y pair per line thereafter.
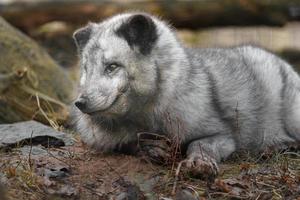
x,y
81,104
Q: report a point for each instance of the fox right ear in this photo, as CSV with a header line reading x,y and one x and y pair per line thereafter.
x,y
82,36
139,30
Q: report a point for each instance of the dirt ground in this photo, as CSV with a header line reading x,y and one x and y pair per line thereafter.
x,y
75,172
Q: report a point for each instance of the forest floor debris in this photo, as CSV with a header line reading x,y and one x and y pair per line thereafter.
x,y
74,172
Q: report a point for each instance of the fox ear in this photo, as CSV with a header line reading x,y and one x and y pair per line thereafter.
x,y
139,30
82,36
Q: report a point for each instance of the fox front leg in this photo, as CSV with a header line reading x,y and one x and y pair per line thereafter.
x,y
204,154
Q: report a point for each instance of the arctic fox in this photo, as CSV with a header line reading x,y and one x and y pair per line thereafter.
x,y
137,77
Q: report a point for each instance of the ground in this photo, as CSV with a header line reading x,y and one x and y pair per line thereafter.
x,y
75,172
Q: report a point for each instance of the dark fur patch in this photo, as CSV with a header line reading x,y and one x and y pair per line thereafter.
x,y
139,30
82,36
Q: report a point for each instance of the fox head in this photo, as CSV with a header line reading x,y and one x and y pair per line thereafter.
x,y
118,68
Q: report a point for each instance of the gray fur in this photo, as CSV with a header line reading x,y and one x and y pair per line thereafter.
x,y
216,100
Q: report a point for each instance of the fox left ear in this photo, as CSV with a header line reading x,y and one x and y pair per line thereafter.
x,y
82,36
139,30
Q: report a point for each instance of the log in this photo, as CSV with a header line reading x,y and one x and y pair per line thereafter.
x,y
192,14
32,85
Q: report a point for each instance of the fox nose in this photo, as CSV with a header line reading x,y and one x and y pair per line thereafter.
x,y
81,104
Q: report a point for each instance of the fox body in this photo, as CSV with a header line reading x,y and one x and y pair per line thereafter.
x,y
137,77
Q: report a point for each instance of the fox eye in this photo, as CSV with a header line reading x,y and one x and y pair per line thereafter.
x,y
111,67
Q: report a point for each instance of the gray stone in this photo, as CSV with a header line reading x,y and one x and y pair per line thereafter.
x,y
122,196
3,179
31,132
58,172
64,191
147,186
186,194
38,150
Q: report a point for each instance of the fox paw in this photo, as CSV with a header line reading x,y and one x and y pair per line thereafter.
x,y
200,166
157,151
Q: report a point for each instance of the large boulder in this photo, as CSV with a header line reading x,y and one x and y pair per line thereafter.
x,y
32,85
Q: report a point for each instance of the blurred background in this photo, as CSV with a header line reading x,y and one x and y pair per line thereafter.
x,y
272,24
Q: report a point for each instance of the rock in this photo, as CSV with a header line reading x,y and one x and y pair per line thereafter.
x,y
132,193
122,196
38,150
32,85
147,185
186,194
130,190
31,132
3,179
58,172
64,191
